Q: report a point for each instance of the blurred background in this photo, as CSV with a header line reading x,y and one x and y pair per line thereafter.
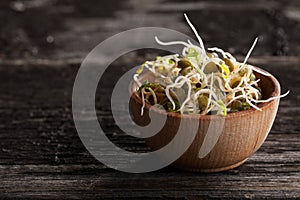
x,y
42,44
69,29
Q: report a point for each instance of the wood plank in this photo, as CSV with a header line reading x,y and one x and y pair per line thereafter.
x,y
41,155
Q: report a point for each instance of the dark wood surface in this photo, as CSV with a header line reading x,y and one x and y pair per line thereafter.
x,y
41,155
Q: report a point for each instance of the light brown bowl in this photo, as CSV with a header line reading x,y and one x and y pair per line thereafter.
x,y
243,132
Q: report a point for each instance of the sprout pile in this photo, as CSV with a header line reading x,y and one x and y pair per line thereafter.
x,y
199,81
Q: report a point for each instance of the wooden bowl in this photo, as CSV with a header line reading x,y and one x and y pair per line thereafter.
x,y
243,132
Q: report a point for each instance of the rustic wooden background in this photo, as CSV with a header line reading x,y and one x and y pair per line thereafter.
x,y
42,44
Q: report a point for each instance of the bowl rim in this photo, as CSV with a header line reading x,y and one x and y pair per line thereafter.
x,y
263,106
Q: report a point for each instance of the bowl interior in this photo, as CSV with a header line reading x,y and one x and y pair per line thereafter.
x,y
269,85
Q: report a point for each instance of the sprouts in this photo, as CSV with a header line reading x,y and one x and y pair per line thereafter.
x,y
201,82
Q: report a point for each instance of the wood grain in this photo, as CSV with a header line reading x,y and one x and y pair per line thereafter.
x,y
42,157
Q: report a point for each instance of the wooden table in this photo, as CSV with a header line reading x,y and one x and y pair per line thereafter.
x,y
41,155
